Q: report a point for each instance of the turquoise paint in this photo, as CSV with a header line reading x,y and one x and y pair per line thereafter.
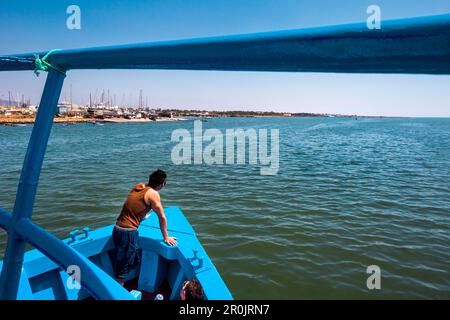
x,y
415,46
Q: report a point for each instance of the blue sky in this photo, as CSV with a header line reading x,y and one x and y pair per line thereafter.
x,y
27,26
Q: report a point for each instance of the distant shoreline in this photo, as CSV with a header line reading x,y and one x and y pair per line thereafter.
x,y
15,120
72,120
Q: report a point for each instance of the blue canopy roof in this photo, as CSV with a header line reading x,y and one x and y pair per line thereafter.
x,y
417,46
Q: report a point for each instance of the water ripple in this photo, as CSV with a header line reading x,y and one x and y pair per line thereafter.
x,y
348,194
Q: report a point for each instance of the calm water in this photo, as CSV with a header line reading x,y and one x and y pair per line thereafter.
x,y
349,194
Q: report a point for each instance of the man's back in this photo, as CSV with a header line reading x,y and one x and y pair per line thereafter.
x,y
134,208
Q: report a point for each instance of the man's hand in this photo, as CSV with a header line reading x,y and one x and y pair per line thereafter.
x,y
171,241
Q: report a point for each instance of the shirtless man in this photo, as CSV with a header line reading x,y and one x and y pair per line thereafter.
x,y
141,199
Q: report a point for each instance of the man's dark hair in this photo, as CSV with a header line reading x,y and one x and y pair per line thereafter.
x,y
194,290
157,178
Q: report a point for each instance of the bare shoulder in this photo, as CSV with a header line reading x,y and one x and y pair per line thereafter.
x,y
152,196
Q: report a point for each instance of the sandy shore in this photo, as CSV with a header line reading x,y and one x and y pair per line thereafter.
x,y
8,120
120,120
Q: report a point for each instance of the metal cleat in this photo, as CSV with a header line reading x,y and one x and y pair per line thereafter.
x,y
199,265
86,232
73,235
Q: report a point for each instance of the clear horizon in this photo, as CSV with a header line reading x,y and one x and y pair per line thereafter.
x,y
42,26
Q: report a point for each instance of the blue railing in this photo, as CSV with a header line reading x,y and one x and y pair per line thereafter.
x,y
21,229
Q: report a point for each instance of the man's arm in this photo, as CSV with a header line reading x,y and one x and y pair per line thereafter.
x,y
155,200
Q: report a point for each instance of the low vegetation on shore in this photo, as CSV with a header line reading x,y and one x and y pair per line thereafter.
x,y
26,115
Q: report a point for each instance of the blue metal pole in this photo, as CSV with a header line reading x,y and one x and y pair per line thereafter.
x,y
5,218
29,178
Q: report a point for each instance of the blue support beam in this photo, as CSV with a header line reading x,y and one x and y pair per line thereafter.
x,y
5,218
96,281
29,178
406,46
